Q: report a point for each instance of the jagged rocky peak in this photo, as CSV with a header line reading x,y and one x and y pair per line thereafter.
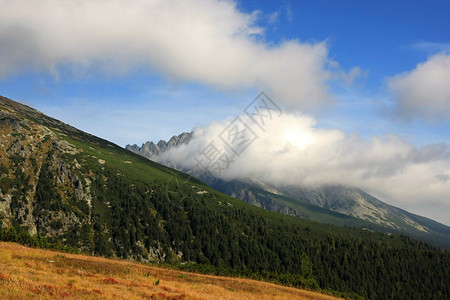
x,y
161,145
133,148
178,140
151,151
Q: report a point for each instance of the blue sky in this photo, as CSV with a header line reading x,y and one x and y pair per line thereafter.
x,y
132,71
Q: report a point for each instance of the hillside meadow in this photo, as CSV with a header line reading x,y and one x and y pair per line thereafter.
x,y
39,274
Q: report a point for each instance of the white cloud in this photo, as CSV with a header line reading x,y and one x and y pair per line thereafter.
x,y
292,151
432,48
272,17
289,13
425,91
206,41
353,74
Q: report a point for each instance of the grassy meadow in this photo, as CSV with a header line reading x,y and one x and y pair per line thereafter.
x,y
40,274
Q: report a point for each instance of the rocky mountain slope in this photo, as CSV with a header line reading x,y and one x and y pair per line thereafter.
x,y
357,203
335,204
29,152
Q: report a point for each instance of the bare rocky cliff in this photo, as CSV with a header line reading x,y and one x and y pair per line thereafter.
x,y
33,158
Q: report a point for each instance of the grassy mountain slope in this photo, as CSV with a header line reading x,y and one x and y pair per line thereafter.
x,y
67,187
32,273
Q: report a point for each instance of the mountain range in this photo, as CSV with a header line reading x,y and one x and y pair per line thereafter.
x,y
332,204
63,188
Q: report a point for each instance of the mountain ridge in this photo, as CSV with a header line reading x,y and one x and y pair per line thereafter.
x,y
151,150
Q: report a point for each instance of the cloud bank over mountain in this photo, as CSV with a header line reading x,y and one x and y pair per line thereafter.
x,y
292,150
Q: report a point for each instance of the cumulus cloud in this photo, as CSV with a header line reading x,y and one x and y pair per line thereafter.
x,y
425,91
206,41
352,75
293,151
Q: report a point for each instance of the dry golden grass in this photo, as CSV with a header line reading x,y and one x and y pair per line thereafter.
x,y
34,273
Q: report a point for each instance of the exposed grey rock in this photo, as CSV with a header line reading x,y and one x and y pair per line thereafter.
x,y
247,193
357,203
151,151
30,147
